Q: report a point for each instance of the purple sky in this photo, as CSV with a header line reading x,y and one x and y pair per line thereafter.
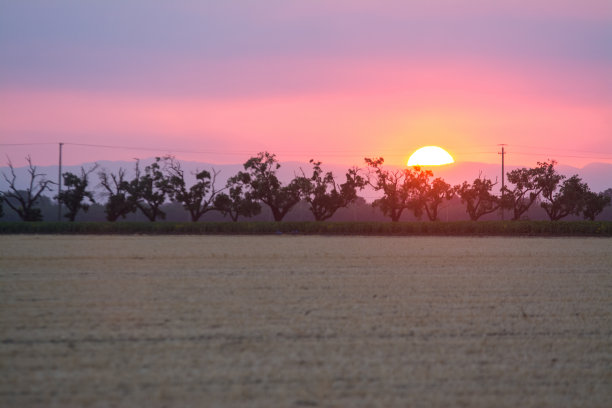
x,y
334,80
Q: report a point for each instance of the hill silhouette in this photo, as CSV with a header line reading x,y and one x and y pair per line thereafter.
x,y
597,175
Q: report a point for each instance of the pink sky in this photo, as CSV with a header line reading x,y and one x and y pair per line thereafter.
x,y
220,82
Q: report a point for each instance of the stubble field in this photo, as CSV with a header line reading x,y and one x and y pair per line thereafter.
x,y
262,321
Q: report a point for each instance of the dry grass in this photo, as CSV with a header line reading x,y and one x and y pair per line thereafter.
x,y
305,321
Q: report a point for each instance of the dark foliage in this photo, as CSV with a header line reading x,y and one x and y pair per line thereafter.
x,y
325,196
570,198
75,195
197,199
149,190
236,202
435,193
594,204
478,198
528,184
402,189
457,228
264,185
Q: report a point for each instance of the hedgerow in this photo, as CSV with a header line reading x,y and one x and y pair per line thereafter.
x,y
510,228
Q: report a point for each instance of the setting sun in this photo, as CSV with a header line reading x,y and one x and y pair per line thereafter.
x,y
430,156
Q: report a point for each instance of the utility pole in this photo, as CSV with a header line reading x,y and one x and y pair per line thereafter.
x,y
59,184
503,153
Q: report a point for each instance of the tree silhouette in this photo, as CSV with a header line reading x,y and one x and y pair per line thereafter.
x,y
568,199
149,189
120,202
402,189
263,185
236,203
528,185
478,198
197,199
325,196
594,204
23,201
74,195
1,205
435,193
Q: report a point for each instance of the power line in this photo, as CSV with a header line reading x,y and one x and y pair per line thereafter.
x,y
463,150
564,155
158,149
27,144
223,152
561,149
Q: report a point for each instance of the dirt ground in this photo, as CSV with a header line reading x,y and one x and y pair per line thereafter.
x,y
273,321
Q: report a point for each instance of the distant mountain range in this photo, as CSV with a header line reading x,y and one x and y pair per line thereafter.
x,y
597,175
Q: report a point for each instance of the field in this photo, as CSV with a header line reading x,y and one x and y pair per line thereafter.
x,y
264,321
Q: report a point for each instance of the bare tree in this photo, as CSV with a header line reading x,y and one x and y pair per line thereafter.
x,y
23,201
120,202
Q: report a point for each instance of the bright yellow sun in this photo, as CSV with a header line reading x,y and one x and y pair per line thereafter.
x,y
430,156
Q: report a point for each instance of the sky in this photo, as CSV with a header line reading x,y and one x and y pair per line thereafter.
x,y
219,81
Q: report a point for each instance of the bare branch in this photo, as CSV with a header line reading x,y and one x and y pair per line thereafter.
x,y
28,198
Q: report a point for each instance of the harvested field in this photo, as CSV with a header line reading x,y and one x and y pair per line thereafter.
x,y
263,321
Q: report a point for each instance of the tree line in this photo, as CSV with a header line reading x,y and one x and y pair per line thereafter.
x,y
412,189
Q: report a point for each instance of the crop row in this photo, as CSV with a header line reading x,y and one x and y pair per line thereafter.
x,y
510,228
